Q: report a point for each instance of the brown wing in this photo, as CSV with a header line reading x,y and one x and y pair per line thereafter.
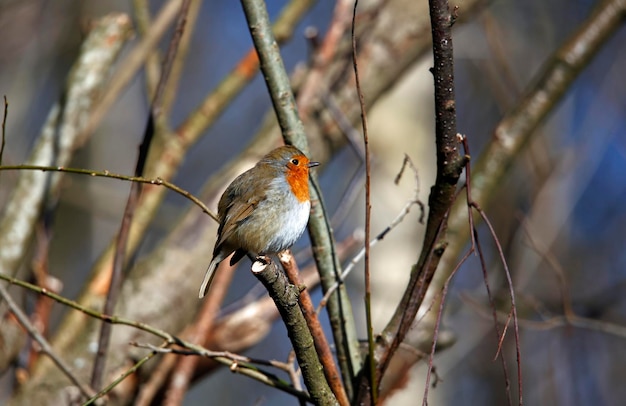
x,y
237,203
236,213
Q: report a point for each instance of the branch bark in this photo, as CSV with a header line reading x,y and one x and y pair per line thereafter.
x,y
285,295
449,166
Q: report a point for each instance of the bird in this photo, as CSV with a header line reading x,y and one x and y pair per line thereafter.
x,y
264,210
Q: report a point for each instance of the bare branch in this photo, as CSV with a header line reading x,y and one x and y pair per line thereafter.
x,y
45,346
319,339
285,295
4,127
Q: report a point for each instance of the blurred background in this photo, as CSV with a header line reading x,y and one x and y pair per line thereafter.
x,y
562,198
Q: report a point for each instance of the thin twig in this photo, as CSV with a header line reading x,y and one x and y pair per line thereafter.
x,y
107,174
371,367
566,297
240,363
396,221
171,89
170,57
122,376
355,186
512,297
554,322
4,127
492,304
476,246
293,371
444,292
45,346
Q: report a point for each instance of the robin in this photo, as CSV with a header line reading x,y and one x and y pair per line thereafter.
x,y
264,210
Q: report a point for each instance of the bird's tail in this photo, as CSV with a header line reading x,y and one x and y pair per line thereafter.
x,y
208,276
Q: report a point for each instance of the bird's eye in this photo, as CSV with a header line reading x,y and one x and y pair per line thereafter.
x,y
295,161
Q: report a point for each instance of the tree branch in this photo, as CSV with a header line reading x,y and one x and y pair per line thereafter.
x,y
449,166
285,295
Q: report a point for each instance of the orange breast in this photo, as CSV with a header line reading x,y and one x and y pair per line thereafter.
x,y
298,179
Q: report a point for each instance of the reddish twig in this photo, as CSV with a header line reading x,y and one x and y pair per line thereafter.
x,y
371,367
476,246
492,305
483,265
319,338
285,296
4,127
444,292
512,296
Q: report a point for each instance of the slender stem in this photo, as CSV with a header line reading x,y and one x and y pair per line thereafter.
x,y
120,378
45,346
371,368
4,127
107,174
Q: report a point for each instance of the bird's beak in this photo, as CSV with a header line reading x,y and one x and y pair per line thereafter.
x,y
313,164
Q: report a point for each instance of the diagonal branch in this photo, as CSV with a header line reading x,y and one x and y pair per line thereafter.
x,y
285,295
41,340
